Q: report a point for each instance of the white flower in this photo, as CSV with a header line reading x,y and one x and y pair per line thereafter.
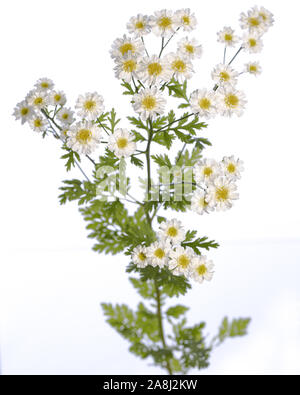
x,y
204,103
252,43
149,103
90,106
181,66
231,167
221,192
154,70
253,21
66,116
158,253
58,98
206,170
181,260
127,67
44,84
64,132
38,123
139,256
199,203
227,37
121,142
84,137
121,46
184,18
253,68
172,231
163,23
190,48
231,101
266,16
202,269
38,99
224,75
139,25
23,111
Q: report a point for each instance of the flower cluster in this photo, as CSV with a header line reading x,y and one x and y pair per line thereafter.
x,y
216,184
169,252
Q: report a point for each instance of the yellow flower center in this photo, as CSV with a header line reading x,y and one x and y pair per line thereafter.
x,y
139,25
179,66
172,231
254,22
207,171
57,97
37,123
129,66
252,42
231,168
263,16
24,111
126,47
159,253
142,257
231,101
228,37
203,202
122,142
253,68
222,194
154,69
89,105
45,85
149,102
186,20
165,22
224,76
84,136
204,103
38,101
202,269
190,48
65,116
183,261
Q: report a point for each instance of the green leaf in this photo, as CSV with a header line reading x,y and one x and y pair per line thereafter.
x,y
199,243
177,311
137,122
128,88
145,288
83,191
112,118
236,328
70,156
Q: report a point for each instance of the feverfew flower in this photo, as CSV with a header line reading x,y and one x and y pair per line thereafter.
x,y
84,137
121,142
206,170
190,48
199,204
58,98
224,75
231,167
266,16
221,192
252,43
202,269
38,99
66,116
253,68
23,111
149,103
172,231
44,84
227,37
64,132
126,67
163,23
38,123
139,25
231,101
121,47
181,260
139,256
185,19
253,21
181,66
90,106
158,253
154,70
204,103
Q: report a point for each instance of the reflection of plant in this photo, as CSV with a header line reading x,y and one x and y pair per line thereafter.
x,y
164,256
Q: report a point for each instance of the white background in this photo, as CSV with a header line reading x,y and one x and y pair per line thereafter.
x,y
51,283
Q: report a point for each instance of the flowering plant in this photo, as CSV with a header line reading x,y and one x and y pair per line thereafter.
x,y
164,257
